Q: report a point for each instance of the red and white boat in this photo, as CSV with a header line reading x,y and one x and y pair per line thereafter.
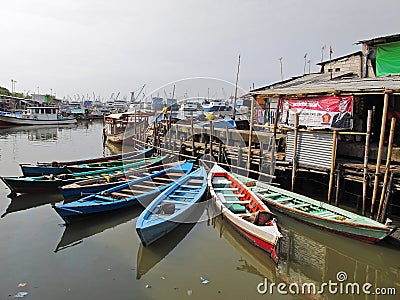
x,y
244,210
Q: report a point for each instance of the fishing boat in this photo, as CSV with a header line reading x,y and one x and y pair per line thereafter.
x,y
51,183
140,190
171,207
188,106
109,164
121,128
320,214
210,105
60,167
94,185
244,210
40,115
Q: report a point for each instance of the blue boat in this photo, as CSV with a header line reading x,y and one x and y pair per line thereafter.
x,y
142,190
60,167
172,207
90,186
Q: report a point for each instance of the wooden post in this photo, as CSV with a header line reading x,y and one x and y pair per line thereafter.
x,y
236,86
387,168
366,158
134,130
294,161
155,131
239,160
277,115
387,196
227,135
338,180
333,161
220,152
379,157
250,133
211,140
192,133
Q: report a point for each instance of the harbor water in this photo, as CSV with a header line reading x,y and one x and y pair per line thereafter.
x,y
102,258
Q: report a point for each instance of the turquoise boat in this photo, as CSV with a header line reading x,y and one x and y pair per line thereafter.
x,y
142,190
319,214
172,207
51,183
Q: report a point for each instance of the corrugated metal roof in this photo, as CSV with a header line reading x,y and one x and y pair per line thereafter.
x,y
322,84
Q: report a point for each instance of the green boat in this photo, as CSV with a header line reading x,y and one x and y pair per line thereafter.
x,y
319,214
51,183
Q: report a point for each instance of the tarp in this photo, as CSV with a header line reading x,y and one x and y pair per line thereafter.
x,y
322,112
388,59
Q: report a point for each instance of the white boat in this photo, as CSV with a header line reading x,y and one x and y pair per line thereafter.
x,y
214,105
39,115
188,106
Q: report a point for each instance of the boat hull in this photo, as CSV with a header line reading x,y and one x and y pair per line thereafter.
x,y
14,121
19,185
33,170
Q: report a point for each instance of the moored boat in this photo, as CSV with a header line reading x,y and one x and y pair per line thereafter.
x,y
244,210
51,183
59,167
172,207
41,115
142,190
94,185
320,214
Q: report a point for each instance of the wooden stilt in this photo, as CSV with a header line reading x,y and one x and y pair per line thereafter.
x,y
379,157
387,197
294,159
250,133
338,181
387,168
366,158
333,161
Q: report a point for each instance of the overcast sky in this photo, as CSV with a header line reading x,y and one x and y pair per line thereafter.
x,y
83,47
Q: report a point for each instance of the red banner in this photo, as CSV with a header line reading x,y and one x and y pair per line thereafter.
x,y
323,112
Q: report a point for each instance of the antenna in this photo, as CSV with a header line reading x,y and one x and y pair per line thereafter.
x,y
305,62
322,52
280,61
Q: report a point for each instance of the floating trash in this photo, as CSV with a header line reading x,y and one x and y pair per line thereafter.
x,y
162,277
189,292
204,281
22,284
20,295
148,286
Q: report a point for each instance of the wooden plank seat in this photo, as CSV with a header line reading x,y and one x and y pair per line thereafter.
x,y
190,186
118,194
226,189
234,195
324,214
164,179
177,196
271,195
236,202
174,201
283,200
301,205
187,191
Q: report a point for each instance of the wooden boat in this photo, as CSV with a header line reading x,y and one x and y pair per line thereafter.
x,y
142,190
171,207
320,214
86,187
40,115
109,164
244,210
60,167
51,183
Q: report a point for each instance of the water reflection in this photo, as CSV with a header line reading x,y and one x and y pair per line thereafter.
x,y
309,255
28,201
151,255
77,231
36,133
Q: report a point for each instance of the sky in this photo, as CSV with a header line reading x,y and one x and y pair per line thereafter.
x,y
105,48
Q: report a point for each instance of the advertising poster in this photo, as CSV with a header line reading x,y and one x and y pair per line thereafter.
x,y
324,112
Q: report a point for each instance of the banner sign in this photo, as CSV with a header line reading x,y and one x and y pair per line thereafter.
x,y
322,112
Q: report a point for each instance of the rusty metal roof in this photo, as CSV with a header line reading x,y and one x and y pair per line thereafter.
x,y
319,84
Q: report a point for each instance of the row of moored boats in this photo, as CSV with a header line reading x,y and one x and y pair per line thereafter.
x,y
172,191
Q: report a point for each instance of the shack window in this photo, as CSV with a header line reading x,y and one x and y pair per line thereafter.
x,y
337,70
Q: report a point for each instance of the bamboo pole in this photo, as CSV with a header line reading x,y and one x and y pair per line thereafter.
x,y
338,181
211,140
192,133
236,87
380,149
296,134
250,134
333,161
366,158
387,168
387,196
277,115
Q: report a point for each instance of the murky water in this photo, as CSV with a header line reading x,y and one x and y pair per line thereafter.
x,y
102,257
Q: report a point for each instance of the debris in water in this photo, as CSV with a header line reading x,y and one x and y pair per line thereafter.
x,y
148,286
203,280
162,277
20,295
189,292
22,284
